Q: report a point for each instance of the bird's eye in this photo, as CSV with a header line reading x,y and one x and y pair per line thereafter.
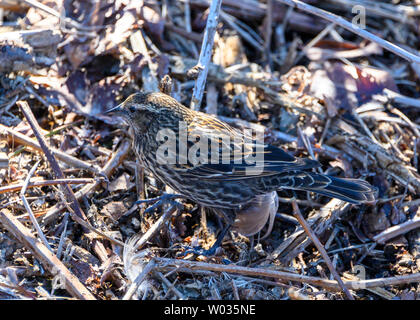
x,y
132,109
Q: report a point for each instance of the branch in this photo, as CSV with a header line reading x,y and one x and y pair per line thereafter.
x,y
353,28
45,256
205,54
321,249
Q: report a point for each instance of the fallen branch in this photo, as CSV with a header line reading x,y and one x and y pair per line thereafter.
x,y
155,228
193,266
320,221
20,138
50,157
45,256
397,230
321,249
68,192
106,171
28,207
44,183
205,54
140,278
353,28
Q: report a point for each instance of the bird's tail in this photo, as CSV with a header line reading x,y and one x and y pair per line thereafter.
x,y
351,190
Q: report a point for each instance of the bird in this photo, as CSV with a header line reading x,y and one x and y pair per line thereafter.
x,y
221,167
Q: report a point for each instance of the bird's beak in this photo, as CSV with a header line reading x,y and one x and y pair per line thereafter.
x,y
117,109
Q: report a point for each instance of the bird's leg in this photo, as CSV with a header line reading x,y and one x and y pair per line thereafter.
x,y
161,200
209,252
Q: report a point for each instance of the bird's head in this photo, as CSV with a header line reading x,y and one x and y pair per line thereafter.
x,y
133,107
140,109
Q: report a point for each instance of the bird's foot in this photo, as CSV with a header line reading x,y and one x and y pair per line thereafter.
x,y
200,251
209,252
166,198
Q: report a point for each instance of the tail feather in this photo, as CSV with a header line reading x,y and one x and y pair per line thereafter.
x,y
351,190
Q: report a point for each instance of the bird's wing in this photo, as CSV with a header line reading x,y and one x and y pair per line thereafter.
x,y
232,154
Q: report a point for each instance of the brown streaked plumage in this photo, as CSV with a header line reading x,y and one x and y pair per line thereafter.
x,y
230,185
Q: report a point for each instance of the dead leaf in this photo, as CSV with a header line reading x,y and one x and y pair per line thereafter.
x,y
122,183
114,210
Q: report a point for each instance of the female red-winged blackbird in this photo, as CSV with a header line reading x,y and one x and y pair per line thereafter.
x,y
229,171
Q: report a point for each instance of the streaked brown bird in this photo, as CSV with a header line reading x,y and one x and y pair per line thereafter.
x,y
224,183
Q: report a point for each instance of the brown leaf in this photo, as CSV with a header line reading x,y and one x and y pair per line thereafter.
x,y
347,87
122,183
114,210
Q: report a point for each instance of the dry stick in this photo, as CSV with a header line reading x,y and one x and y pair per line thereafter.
x,y
140,278
364,126
399,98
109,167
205,54
406,119
155,228
235,290
245,35
44,183
91,228
45,256
193,266
28,207
315,40
353,28
320,247
268,30
397,230
196,37
171,286
51,159
22,139
68,192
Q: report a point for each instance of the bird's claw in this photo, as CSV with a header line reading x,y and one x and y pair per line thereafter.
x,y
161,200
199,251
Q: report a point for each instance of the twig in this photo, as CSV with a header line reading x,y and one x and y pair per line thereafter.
x,y
51,159
28,207
45,256
364,126
406,119
193,266
194,36
155,228
91,228
268,31
397,230
63,236
55,13
22,139
43,183
314,41
353,28
68,192
140,278
321,249
235,290
171,286
399,98
205,54
109,167
247,37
